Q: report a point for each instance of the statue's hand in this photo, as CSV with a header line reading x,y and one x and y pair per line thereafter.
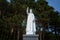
x,y
33,21
27,9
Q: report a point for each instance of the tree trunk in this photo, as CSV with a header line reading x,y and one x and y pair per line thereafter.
x,y
18,35
43,33
40,35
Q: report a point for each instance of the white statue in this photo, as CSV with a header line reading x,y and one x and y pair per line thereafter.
x,y
30,27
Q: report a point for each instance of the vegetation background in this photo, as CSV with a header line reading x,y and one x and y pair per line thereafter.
x,y
13,19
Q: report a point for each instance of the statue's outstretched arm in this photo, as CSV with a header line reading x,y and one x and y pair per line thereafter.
x,y
27,10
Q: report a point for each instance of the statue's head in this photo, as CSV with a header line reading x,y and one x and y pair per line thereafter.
x,y
30,10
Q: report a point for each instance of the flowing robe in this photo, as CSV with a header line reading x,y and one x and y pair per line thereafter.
x,y
30,27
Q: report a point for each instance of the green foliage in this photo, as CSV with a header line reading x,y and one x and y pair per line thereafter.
x,y
50,36
12,15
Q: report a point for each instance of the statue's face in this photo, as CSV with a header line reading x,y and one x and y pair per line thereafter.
x,y
30,10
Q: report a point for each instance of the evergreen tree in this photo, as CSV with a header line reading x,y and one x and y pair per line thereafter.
x,y
12,15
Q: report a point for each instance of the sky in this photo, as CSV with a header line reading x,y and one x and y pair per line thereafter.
x,y
55,4
8,1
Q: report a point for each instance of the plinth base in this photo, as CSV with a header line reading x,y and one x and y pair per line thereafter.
x,y
30,37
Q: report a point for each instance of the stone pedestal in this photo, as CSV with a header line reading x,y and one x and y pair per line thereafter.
x,y
30,37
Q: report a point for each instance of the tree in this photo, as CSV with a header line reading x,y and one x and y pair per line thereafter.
x,y
13,14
